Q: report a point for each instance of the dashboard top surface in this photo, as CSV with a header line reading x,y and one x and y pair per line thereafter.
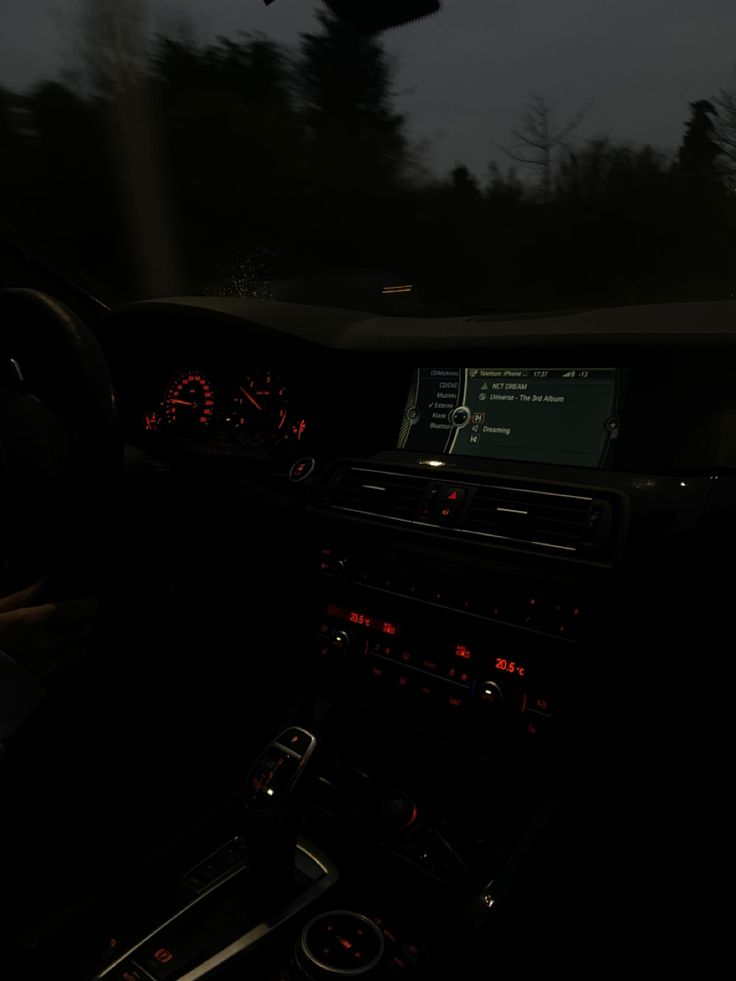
x,y
351,330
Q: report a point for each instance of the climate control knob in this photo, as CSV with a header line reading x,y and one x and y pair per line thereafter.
x,y
490,693
340,641
339,943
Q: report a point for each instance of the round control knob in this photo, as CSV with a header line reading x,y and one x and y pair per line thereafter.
x,y
490,693
341,641
339,943
398,810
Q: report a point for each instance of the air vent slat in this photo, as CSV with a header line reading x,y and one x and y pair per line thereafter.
x,y
385,494
526,515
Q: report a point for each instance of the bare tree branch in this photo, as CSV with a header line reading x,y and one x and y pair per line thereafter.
x,y
538,139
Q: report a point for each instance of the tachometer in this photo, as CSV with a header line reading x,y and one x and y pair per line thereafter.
x,y
258,412
189,404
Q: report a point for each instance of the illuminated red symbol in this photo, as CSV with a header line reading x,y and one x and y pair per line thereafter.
x,y
452,496
163,955
532,602
576,612
344,942
378,672
455,702
406,656
452,673
403,680
446,512
542,704
531,729
464,677
426,691
462,651
391,937
294,739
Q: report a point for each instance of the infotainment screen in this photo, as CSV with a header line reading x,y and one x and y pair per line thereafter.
x,y
542,415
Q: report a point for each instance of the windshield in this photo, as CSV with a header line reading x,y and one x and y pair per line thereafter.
x,y
496,156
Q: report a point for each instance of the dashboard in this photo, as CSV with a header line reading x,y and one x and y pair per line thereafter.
x,y
271,382
481,559
516,480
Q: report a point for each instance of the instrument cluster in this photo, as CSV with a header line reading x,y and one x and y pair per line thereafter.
x,y
254,410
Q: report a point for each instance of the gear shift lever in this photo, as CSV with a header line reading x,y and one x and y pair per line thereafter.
x,y
276,783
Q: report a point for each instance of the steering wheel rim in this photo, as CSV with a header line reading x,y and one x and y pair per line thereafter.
x,y
60,440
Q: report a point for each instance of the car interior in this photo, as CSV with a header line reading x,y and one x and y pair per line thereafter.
x,y
412,635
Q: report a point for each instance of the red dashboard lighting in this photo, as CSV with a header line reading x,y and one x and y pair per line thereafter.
x,y
361,619
462,651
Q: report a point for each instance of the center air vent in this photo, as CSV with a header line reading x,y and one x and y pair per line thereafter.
x,y
551,520
376,492
547,519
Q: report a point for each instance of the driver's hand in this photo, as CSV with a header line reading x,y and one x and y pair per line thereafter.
x,y
49,638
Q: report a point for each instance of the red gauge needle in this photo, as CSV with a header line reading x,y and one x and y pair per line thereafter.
x,y
182,402
251,399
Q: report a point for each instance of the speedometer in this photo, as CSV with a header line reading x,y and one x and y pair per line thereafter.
x,y
189,404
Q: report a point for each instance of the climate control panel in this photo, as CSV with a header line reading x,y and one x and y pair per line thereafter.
x,y
439,668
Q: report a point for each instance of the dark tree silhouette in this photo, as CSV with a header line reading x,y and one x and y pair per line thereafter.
x,y
538,139
345,92
699,149
465,184
725,131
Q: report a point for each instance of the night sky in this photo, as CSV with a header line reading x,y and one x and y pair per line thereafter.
x,y
465,74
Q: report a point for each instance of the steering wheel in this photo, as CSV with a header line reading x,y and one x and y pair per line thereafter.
x,y
60,442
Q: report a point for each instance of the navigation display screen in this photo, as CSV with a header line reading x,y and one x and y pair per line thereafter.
x,y
541,415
